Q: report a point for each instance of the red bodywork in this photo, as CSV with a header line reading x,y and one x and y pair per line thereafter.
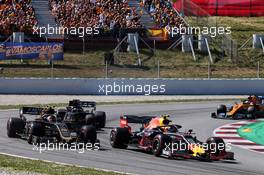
x,y
220,7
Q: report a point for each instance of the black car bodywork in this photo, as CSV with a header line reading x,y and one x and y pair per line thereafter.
x,y
82,112
39,129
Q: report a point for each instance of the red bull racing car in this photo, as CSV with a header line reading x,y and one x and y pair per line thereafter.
x,y
166,140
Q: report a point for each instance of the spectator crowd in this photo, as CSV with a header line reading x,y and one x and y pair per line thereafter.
x,y
15,16
108,15
162,12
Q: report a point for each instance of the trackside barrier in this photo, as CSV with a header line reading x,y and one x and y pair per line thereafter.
x,y
131,86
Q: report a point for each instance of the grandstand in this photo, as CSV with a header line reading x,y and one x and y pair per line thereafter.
x,y
109,16
237,8
17,16
149,18
162,13
105,14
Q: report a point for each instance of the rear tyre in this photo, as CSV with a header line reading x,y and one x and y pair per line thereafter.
x,y
119,138
159,143
14,126
221,109
89,134
100,119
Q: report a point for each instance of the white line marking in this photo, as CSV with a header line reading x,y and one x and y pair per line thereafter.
x,y
227,135
227,130
238,141
66,164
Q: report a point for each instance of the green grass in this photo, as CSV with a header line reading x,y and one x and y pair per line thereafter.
x,y
242,28
38,166
173,64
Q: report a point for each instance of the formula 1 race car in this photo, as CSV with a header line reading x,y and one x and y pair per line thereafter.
x,y
251,108
46,127
84,111
167,140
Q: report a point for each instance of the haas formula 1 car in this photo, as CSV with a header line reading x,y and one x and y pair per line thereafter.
x,y
251,108
85,111
47,126
166,140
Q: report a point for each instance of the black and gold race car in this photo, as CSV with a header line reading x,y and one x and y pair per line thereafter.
x,y
72,125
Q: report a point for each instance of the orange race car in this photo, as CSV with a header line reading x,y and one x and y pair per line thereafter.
x,y
251,108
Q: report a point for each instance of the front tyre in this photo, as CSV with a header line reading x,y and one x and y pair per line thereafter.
x,y
100,119
90,119
159,143
216,146
88,133
14,126
119,138
221,109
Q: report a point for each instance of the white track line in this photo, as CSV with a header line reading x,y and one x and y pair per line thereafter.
x,y
66,164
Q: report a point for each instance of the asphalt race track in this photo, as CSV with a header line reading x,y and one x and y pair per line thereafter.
x,y
189,115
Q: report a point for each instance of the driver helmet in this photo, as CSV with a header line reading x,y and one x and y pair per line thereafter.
x,y
164,120
255,98
51,119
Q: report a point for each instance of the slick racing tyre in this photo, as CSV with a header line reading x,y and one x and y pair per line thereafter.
x,y
14,126
35,131
90,119
216,145
119,138
100,119
88,134
159,143
221,109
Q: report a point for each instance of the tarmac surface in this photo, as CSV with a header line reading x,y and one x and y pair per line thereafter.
x,y
191,115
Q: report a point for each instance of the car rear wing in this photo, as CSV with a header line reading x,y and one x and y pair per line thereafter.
x,y
84,104
30,111
125,119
